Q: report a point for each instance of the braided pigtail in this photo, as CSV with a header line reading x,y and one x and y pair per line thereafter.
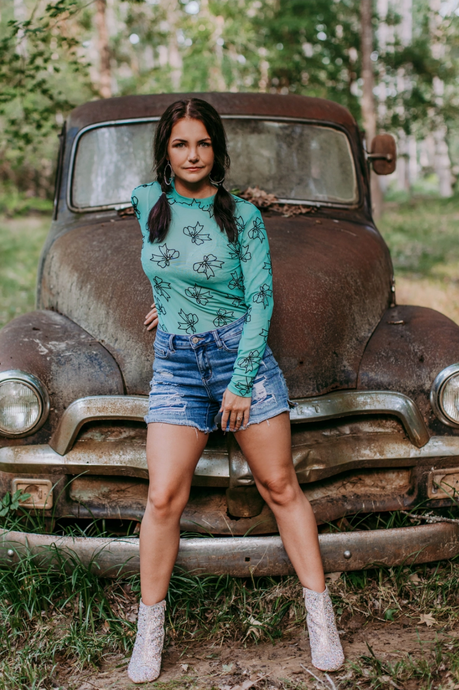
x,y
159,217
224,206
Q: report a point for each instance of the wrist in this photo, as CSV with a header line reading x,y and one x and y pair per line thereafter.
x,y
242,391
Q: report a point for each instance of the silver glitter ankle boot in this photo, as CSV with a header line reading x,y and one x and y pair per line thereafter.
x,y
326,651
145,663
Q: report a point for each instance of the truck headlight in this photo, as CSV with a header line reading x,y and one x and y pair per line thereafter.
x,y
444,395
24,403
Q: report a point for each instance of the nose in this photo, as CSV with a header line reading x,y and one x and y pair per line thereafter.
x,y
193,156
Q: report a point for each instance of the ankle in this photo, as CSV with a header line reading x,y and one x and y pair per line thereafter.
x,y
306,590
149,603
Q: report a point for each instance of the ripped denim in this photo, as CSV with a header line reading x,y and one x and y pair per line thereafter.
x,y
191,373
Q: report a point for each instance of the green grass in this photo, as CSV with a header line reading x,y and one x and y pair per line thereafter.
x,y
50,620
423,237
21,240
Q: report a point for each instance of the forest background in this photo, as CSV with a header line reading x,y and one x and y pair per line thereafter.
x,y
395,65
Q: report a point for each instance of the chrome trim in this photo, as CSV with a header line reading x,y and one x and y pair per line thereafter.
x,y
238,556
437,390
213,469
123,407
347,403
338,404
106,458
35,384
140,120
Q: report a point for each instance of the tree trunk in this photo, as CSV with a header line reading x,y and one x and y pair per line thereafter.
x,y
368,99
216,80
105,76
442,162
172,55
20,15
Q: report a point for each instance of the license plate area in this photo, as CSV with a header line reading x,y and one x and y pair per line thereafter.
x,y
444,484
40,490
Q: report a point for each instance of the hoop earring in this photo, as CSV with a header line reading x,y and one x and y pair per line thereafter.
x,y
217,184
168,182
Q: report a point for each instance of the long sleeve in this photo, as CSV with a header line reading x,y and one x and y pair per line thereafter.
x,y
256,270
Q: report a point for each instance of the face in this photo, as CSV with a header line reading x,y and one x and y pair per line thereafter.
x,y
190,151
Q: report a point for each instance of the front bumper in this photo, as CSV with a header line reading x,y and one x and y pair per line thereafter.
x,y
239,556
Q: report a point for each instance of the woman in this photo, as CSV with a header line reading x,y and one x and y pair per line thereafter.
x,y
206,254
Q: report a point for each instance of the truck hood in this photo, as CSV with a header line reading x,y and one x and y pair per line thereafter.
x,y
332,283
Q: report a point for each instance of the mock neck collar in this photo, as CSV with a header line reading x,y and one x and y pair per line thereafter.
x,y
189,200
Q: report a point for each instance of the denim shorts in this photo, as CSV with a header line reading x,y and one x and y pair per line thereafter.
x,y
191,373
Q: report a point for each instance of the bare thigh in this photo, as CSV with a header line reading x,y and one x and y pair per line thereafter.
x,y
173,452
267,447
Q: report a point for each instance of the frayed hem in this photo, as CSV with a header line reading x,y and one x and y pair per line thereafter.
x,y
265,419
191,425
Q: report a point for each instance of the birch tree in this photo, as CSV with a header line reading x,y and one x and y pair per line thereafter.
x,y
369,114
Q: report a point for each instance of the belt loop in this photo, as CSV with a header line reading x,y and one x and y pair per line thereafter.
x,y
217,338
171,343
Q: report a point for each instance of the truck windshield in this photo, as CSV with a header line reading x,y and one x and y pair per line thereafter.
x,y
297,162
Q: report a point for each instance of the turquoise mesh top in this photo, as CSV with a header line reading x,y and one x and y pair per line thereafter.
x,y
201,281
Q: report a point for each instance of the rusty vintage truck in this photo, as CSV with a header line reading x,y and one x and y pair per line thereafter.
x,y
376,425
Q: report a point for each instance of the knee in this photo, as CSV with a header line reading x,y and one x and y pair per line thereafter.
x,y
166,503
280,490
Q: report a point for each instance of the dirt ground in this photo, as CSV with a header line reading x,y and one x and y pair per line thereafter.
x,y
280,665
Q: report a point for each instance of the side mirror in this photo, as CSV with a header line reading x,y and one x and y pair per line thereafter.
x,y
383,154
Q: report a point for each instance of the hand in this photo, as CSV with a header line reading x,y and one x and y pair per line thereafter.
x,y
151,319
236,410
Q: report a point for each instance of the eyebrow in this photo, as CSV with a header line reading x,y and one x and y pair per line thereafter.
x,y
186,140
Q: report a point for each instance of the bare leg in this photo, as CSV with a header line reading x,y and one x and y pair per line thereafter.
x,y
267,447
172,454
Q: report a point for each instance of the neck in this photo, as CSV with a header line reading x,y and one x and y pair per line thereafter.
x,y
195,190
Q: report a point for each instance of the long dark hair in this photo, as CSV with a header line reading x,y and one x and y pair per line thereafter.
x,y
196,109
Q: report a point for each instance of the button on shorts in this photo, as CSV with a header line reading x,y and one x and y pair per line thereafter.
x,y
191,373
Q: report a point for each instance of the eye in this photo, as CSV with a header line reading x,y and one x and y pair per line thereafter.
x,y
178,144
206,143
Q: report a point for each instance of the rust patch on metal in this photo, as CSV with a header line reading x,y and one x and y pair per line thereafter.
x,y
444,483
330,291
409,347
239,557
69,362
269,105
207,509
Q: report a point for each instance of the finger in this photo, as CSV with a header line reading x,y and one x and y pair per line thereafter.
x,y
149,318
239,419
152,325
225,416
246,417
234,420
151,314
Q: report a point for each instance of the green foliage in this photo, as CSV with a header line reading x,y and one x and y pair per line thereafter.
x,y
422,237
313,48
40,68
31,53
21,240
10,503
50,62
